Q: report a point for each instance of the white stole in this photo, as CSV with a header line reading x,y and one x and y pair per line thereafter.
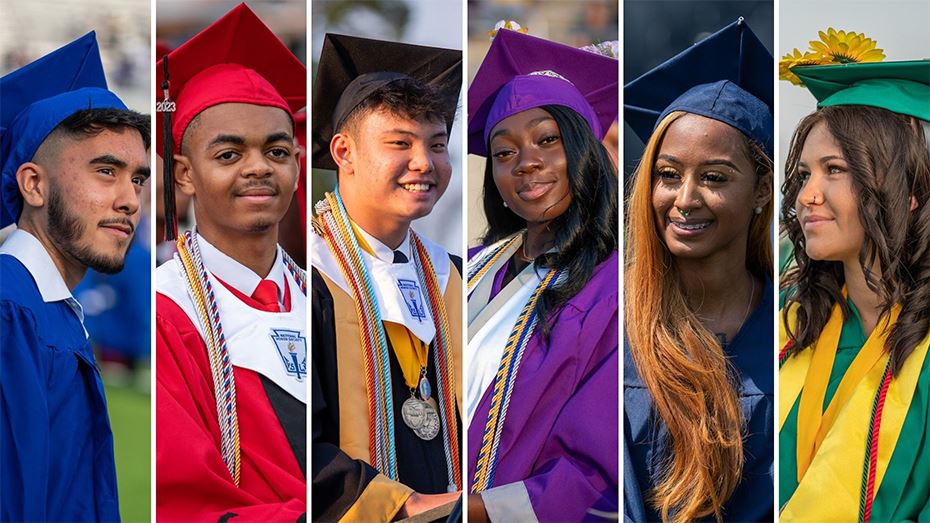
x,y
273,344
396,285
490,324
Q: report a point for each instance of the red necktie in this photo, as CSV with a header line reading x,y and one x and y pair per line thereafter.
x,y
266,294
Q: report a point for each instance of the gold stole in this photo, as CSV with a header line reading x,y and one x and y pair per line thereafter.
x,y
353,395
835,468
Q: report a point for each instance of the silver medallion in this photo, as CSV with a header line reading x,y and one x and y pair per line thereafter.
x,y
421,417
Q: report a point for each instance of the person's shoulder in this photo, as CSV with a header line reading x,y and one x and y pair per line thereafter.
x,y
166,268
18,285
786,296
456,262
318,282
631,377
170,313
434,249
170,291
605,279
20,300
602,289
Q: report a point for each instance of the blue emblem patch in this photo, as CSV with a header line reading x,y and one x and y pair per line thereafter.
x,y
411,293
292,347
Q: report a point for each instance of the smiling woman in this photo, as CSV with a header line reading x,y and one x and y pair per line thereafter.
x,y
698,286
542,305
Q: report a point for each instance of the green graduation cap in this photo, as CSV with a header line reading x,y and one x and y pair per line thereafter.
x,y
901,87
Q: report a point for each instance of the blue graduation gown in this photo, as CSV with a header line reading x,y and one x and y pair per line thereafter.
x,y
645,439
56,447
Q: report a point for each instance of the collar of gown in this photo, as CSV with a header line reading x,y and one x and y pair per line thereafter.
x,y
382,251
238,275
29,251
32,254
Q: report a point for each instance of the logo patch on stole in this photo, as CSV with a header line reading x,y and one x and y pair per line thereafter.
x,y
411,293
292,347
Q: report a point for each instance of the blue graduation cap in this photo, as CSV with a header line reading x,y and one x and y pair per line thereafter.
x,y
728,76
38,97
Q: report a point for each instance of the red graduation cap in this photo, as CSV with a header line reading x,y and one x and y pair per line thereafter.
x,y
237,59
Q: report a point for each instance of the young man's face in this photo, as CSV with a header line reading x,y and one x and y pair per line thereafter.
x,y
94,196
400,167
239,162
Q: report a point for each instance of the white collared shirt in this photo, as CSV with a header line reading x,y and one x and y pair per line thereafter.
x,y
240,277
382,251
32,254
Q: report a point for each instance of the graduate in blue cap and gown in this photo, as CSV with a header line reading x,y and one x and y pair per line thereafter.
x,y
698,388
543,343
74,166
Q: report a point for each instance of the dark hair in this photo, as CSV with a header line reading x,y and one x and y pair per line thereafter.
x,y
92,121
890,167
407,98
586,233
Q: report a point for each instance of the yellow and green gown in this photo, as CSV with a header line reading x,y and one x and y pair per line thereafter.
x,y
834,484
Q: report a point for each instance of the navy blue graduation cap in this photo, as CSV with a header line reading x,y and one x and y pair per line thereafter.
x,y
728,76
38,97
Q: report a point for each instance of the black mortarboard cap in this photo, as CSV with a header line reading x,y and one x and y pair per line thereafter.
x,y
352,69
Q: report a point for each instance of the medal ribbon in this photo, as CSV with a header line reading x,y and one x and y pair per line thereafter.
x,y
411,353
224,384
445,367
336,230
506,375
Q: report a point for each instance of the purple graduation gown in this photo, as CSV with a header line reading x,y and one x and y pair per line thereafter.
x,y
560,437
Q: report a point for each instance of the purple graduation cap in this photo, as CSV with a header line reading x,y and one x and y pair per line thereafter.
x,y
39,96
521,72
728,76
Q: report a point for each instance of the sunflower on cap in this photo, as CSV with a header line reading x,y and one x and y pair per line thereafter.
x,y
834,47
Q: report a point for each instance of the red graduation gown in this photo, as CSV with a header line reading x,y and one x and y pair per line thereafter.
x,y
192,481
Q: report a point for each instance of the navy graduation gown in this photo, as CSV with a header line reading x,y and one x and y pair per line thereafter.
x,y
645,438
56,447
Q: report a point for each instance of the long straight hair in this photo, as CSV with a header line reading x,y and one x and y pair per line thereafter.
x,y
890,168
680,361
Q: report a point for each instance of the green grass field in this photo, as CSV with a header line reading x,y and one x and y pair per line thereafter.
x,y
130,413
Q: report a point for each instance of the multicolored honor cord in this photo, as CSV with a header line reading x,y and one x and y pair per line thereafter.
x,y
484,260
200,289
336,230
224,384
445,371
